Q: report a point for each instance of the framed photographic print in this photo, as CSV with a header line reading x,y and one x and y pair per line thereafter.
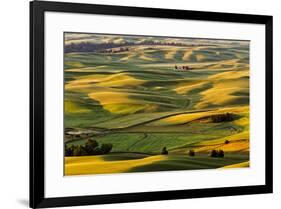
x,y
135,104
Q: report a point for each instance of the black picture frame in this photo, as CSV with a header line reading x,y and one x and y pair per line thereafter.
x,y
37,196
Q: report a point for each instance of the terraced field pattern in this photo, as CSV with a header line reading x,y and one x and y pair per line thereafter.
x,y
142,94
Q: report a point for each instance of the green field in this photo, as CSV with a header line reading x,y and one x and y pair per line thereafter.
x,y
125,91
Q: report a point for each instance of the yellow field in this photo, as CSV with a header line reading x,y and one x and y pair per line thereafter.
x,y
146,58
171,53
97,165
181,118
238,165
71,107
85,69
187,54
226,90
188,117
232,138
117,102
119,79
237,143
101,88
123,78
184,89
233,146
226,85
230,75
200,57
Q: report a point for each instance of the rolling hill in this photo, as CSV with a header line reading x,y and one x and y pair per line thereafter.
x,y
134,99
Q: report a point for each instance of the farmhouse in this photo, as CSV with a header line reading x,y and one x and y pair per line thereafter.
x,y
182,68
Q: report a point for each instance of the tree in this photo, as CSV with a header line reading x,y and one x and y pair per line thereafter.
x,y
221,153
97,151
90,146
106,148
229,116
68,151
191,153
164,151
225,117
217,153
79,151
214,153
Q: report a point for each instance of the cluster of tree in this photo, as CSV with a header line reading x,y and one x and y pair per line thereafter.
x,y
96,47
92,47
184,67
164,151
217,153
165,43
222,118
91,147
191,153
